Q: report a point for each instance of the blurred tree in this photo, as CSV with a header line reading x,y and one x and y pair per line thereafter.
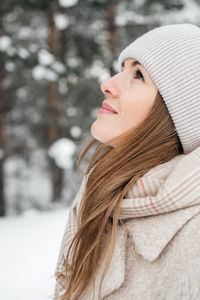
x,y
53,99
112,29
2,153
55,54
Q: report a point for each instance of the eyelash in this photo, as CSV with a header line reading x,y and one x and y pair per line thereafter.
x,y
136,72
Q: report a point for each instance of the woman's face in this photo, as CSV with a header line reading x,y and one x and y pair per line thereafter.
x,y
131,93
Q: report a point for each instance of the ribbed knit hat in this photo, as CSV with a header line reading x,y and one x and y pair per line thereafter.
x,y
171,56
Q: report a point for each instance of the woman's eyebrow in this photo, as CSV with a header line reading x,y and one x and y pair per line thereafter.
x,y
133,64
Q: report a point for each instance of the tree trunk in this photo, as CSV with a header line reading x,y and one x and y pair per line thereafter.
x,y
53,88
56,172
2,199
63,44
112,29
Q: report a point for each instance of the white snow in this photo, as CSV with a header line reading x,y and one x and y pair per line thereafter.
x,y
75,131
23,53
9,66
68,3
24,32
62,152
72,78
73,62
189,13
33,48
116,66
94,112
58,67
5,43
97,70
11,17
48,67
71,111
62,85
22,92
41,72
45,58
61,21
29,250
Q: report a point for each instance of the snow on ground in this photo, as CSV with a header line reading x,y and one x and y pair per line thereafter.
x,y
29,249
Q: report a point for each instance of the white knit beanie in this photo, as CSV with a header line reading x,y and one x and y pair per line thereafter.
x,y
171,56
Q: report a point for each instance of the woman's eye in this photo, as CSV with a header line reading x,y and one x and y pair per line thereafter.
x,y
138,74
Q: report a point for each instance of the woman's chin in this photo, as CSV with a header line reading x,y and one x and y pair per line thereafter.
x,y
95,133
101,133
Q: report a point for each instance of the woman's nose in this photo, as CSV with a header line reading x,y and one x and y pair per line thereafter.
x,y
109,87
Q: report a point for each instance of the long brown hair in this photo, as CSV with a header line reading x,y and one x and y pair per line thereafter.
x,y
113,171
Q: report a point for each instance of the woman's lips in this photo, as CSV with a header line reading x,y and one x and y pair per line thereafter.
x,y
107,106
106,111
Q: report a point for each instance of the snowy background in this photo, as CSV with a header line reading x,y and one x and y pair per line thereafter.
x,y
29,250
54,54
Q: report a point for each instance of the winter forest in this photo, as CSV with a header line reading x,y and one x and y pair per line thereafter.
x,y
54,54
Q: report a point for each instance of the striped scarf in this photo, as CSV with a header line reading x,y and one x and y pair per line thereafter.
x,y
165,188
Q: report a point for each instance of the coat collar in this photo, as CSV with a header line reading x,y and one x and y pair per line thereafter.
x,y
151,234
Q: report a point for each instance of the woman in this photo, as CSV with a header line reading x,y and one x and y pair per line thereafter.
x,y
134,227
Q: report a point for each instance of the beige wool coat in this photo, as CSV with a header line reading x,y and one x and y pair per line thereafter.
x,y
157,252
